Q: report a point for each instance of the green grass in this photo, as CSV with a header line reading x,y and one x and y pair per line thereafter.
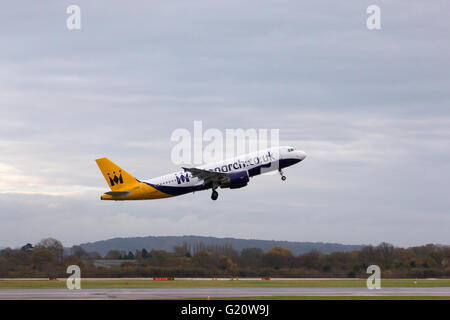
x,y
122,283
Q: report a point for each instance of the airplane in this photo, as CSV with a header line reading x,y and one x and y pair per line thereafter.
x,y
232,173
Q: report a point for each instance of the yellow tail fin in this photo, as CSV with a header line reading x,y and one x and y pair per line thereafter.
x,y
116,177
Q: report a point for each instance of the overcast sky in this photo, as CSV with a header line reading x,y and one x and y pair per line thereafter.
x,y
371,109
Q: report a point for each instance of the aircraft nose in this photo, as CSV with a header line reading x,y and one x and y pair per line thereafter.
x,y
301,154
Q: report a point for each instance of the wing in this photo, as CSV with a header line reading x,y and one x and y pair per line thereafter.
x,y
208,176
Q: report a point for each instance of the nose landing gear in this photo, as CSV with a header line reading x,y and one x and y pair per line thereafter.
x,y
283,177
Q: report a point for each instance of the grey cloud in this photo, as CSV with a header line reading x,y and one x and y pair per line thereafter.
x,y
370,108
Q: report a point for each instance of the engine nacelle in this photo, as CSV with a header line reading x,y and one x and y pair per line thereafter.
x,y
236,180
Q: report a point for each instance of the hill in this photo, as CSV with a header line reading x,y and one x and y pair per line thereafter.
x,y
167,244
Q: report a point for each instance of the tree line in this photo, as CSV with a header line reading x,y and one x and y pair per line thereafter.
x,y
47,259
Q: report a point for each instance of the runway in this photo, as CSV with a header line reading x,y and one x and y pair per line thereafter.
x,y
183,293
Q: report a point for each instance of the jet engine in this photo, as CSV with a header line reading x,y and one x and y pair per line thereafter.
x,y
236,180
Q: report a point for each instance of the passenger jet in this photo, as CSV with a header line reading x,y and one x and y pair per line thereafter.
x,y
232,173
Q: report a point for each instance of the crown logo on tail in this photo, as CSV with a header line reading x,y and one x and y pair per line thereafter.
x,y
116,179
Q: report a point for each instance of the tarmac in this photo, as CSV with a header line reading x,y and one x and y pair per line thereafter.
x,y
185,293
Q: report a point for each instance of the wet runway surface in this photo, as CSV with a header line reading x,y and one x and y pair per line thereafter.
x,y
183,293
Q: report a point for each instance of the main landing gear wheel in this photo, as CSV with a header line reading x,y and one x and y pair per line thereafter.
x,y
214,195
283,178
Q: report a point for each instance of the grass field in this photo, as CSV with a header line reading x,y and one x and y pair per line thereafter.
x,y
145,283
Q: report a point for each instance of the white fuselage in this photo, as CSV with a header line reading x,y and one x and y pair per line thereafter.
x,y
255,163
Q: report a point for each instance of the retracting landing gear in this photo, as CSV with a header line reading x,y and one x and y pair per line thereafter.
x,y
214,194
283,177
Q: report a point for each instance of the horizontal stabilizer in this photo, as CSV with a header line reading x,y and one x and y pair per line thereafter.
x,y
118,193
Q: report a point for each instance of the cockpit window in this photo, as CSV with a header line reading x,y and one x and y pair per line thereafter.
x,y
290,149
